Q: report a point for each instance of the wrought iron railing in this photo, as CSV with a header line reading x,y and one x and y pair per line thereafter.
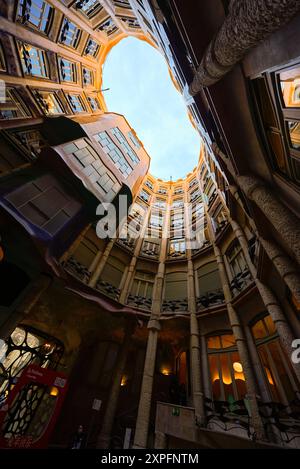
x,y
210,298
139,302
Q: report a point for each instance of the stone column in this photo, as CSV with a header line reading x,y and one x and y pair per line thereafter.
x,y
102,261
247,24
205,368
160,441
269,299
283,220
196,379
103,440
38,287
284,265
241,346
142,422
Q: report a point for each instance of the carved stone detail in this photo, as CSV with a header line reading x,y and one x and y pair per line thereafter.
x,y
248,23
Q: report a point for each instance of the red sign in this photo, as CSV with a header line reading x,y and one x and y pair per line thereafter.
x,y
53,386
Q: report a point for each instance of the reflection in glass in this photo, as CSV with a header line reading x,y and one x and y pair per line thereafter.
x,y
290,87
294,131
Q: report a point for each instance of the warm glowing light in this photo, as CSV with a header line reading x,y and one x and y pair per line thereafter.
x,y
165,372
54,391
123,381
269,376
1,254
238,367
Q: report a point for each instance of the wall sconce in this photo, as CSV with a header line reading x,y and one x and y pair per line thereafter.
x,y
124,381
237,366
54,391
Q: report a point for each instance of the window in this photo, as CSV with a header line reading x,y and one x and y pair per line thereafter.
x,y
149,185
177,247
134,139
108,27
129,21
70,34
114,153
33,61
2,59
94,103
113,271
176,286
126,147
144,195
226,371
277,97
91,165
89,7
122,3
67,70
49,102
29,139
35,13
208,278
76,103
92,48
279,374
236,258
143,284
13,107
88,76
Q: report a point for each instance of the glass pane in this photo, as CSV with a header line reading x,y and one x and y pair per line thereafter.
x,y
269,373
214,342
294,131
290,87
228,340
226,376
270,325
259,330
215,376
277,147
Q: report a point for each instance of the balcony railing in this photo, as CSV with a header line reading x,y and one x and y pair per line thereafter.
x,y
220,227
108,289
210,298
240,281
128,243
139,302
175,305
74,267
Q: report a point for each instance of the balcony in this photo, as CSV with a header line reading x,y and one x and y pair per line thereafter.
x,y
240,281
139,302
175,305
210,298
220,227
108,290
74,267
150,250
128,243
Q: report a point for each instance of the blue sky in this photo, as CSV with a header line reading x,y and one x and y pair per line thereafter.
x,y
141,89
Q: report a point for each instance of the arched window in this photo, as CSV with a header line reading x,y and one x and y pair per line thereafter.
x,y
226,370
281,379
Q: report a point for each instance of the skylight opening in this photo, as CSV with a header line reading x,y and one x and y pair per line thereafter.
x,y
140,88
